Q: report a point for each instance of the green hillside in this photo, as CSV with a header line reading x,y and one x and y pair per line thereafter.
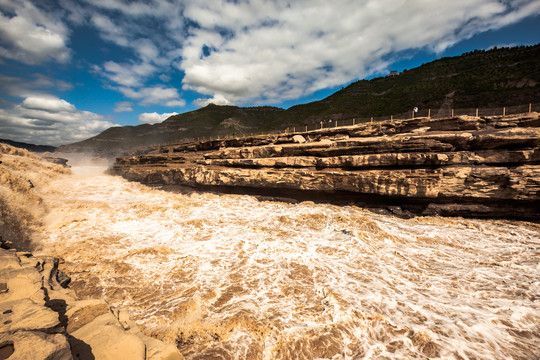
x,y
30,147
494,78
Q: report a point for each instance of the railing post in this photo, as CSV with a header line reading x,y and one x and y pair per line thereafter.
x,y
353,121
429,113
476,112
372,119
336,123
321,124
452,112
504,111
530,107
391,118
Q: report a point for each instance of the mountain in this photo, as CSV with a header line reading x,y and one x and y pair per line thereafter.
x,y
212,120
29,147
492,78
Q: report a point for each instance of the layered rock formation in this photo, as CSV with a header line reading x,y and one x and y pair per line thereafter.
x,y
42,319
467,166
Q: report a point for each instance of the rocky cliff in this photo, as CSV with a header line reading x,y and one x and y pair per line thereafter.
x,y
462,166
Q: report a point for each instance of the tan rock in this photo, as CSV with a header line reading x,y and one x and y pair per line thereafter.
x,y
21,283
158,350
36,346
24,314
82,314
8,260
299,139
106,339
493,162
95,331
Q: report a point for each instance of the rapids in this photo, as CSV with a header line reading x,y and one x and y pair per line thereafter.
x,y
234,277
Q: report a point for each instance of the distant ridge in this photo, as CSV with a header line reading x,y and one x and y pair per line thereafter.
x,y
29,147
481,78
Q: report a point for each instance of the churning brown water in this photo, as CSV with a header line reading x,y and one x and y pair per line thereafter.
x,y
228,276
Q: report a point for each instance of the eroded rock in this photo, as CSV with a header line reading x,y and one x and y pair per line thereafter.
x,y
491,162
41,319
36,345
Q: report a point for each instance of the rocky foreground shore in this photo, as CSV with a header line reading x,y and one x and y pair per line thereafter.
x,y
42,319
456,166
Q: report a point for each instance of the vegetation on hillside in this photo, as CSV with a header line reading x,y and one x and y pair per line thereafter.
x,y
493,78
29,147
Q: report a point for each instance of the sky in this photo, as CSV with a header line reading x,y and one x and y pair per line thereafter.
x,y
69,69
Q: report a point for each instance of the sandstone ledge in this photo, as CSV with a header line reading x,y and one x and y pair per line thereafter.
x,y
40,319
464,166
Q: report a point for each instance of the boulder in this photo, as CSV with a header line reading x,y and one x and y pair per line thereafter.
x,y
36,345
41,319
24,314
56,160
107,340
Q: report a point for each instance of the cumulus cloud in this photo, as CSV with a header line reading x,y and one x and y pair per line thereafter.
x,y
137,9
249,51
126,24
30,34
270,51
123,106
265,51
131,75
154,118
49,120
48,104
218,99
35,84
154,95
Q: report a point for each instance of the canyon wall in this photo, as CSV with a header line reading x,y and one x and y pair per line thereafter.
x,y
457,166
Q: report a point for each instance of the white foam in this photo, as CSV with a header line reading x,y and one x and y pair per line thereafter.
x,y
299,275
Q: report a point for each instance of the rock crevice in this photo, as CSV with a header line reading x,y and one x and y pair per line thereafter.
x,y
466,166
42,319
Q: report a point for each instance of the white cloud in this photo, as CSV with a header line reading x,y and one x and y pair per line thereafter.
x,y
270,51
109,30
31,35
176,103
154,95
154,118
131,75
123,106
49,120
248,51
49,104
155,8
36,84
218,99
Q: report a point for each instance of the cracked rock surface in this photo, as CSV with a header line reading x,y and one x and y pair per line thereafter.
x,y
40,319
458,166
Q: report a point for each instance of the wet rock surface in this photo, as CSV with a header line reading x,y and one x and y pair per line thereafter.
x,y
459,166
57,160
42,319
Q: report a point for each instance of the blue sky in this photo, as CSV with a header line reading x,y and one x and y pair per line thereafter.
x,y
71,69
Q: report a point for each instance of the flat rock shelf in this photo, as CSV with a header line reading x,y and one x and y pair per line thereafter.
x,y
456,166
